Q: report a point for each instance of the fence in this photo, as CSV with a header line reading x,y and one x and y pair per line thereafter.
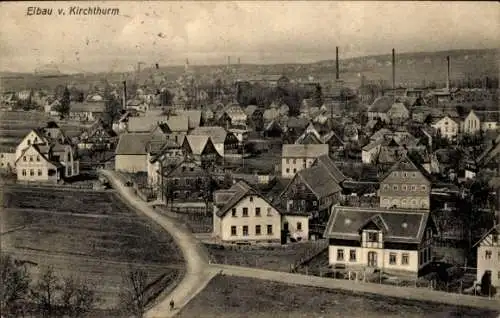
x,y
83,186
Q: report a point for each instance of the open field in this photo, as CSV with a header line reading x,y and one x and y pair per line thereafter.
x,y
89,235
276,257
234,297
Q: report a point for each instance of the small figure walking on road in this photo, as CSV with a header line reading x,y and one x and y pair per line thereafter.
x,y
172,304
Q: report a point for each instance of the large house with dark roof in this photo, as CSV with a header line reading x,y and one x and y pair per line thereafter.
x,y
187,180
380,108
406,185
86,111
201,149
131,152
225,142
315,189
393,241
243,215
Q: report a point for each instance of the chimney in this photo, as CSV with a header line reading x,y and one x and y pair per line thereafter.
x,y
124,94
228,60
239,61
393,69
337,74
448,72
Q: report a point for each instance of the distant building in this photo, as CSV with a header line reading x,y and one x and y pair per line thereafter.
x,y
488,256
446,126
270,80
380,108
397,242
296,157
86,111
131,152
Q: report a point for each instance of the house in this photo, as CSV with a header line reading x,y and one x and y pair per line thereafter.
x,y
309,136
334,142
131,154
313,190
398,113
224,141
488,256
446,126
162,155
380,108
34,164
175,127
296,157
370,151
137,105
8,157
397,242
270,114
97,137
201,149
194,117
188,180
489,120
143,124
86,111
242,215
472,123
233,114
406,185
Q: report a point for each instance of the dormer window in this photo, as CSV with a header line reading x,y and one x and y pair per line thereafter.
x,y
29,142
372,237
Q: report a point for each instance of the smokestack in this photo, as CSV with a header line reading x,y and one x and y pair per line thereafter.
x,y
393,69
124,94
228,60
239,61
448,73
157,66
337,74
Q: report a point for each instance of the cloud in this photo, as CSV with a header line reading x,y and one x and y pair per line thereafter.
x,y
207,32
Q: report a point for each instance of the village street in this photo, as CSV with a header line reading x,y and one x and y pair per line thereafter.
x,y
200,271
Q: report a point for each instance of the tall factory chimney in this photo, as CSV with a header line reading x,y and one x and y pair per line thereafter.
x,y
124,94
448,73
393,69
228,60
337,74
239,61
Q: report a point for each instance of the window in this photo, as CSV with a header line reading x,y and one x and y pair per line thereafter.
x,y
372,237
29,142
39,172
37,158
257,230
245,230
405,174
233,230
251,198
386,187
287,170
294,161
245,212
395,174
294,170
340,255
299,226
32,172
413,187
233,212
352,255
24,172
413,202
392,258
403,202
269,229
1,155
495,238
395,187
405,259
288,161
424,188
414,175
403,187
24,158
487,255
269,212
257,211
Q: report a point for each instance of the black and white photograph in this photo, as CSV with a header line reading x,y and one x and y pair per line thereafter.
x,y
249,159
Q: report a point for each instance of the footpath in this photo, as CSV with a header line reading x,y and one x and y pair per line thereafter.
x,y
198,272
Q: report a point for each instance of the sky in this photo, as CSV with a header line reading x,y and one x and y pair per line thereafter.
x,y
205,32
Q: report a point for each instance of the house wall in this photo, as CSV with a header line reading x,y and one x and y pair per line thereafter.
x,y
409,201
489,125
405,189
447,128
492,262
293,221
220,148
269,216
8,160
35,168
290,166
131,163
471,124
367,156
153,168
66,158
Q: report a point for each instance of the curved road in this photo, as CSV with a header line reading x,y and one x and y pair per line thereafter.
x,y
198,271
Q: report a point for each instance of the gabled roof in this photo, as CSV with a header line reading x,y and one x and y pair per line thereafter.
x,y
494,230
197,143
331,168
145,123
216,133
406,164
177,123
398,107
239,190
133,144
400,226
273,124
250,109
380,133
379,222
332,135
309,137
43,152
304,151
381,104
318,180
194,117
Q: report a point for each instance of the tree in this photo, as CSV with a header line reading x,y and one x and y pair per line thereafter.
x,y
486,283
14,286
63,107
77,299
228,181
44,293
134,296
